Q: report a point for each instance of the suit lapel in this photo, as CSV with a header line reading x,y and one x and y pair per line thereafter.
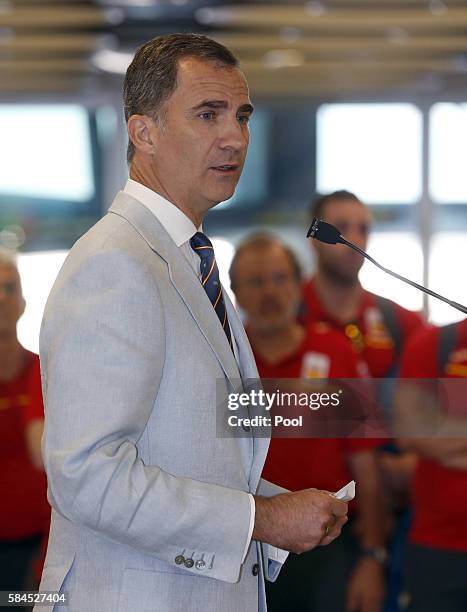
x,y
248,371
193,295
182,277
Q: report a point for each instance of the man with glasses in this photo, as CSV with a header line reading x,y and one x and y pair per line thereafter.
x,y
266,278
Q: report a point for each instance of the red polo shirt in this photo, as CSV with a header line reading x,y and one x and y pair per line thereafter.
x,y
23,509
368,333
439,492
299,463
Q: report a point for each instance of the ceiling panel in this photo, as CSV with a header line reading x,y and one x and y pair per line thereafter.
x,y
286,47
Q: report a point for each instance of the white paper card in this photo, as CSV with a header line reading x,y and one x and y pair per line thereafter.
x,y
346,493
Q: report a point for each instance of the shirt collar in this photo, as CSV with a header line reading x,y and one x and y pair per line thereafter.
x,y
179,227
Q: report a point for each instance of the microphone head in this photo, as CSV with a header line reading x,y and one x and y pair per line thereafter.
x,y
324,232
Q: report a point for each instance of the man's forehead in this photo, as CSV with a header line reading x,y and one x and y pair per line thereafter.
x,y
261,255
205,79
350,210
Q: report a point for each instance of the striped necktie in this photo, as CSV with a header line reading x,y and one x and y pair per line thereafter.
x,y
201,244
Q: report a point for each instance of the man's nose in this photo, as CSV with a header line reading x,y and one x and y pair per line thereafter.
x,y
234,135
270,287
355,235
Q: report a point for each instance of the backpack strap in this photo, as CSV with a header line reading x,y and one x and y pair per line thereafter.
x,y
446,344
391,322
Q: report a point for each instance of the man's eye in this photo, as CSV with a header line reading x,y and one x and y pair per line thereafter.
x,y
9,288
207,115
244,118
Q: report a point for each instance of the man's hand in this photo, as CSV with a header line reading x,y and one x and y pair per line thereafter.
x,y
299,521
365,591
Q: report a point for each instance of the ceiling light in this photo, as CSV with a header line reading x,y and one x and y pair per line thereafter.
x,y
115,16
437,7
290,34
205,16
6,34
128,3
283,58
315,8
115,62
5,7
397,36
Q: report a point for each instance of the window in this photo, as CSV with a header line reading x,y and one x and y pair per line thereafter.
x,y
252,186
45,152
38,272
400,252
447,256
448,152
374,150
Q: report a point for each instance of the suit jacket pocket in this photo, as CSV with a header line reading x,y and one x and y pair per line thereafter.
x,y
161,591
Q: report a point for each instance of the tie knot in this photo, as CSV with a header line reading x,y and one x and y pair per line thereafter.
x,y
201,244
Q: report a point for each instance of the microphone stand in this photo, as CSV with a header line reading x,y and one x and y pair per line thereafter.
x,y
329,234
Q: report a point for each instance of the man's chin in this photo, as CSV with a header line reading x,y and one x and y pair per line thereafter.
x,y
345,278
221,200
223,192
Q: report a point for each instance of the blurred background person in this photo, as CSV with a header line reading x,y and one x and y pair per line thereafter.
x,y
378,329
437,551
349,574
24,509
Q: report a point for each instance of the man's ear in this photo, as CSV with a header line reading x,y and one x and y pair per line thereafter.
x,y
142,131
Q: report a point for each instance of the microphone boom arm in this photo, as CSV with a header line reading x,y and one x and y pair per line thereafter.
x,y
325,232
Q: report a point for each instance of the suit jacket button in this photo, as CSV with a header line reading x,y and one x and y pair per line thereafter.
x,y
255,569
246,427
179,559
200,564
189,563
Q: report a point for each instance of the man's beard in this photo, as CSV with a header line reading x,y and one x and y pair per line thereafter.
x,y
343,278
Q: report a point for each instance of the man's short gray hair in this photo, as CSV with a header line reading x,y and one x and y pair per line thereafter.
x,y
151,77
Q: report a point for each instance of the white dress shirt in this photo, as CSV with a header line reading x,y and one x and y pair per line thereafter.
x,y
180,228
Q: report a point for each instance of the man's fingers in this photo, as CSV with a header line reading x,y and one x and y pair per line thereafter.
x,y
333,532
338,508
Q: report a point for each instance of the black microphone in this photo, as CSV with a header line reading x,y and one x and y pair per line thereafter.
x,y
325,232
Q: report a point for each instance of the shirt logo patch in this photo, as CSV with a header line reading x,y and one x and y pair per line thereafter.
x,y
315,365
376,335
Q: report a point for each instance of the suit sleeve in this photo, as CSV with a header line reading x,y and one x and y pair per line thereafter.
x,y
273,557
103,353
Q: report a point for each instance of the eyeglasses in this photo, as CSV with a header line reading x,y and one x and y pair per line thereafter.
x,y
259,282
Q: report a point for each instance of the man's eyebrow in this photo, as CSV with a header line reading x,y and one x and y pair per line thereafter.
x,y
246,108
221,104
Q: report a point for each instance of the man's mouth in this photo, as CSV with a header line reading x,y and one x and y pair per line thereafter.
x,y
226,168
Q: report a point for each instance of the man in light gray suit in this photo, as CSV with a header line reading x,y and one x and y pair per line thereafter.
x,y
157,507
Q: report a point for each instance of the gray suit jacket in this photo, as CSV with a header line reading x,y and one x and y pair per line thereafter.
x,y
134,367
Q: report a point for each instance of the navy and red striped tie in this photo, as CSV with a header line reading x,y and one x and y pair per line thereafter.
x,y
201,244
